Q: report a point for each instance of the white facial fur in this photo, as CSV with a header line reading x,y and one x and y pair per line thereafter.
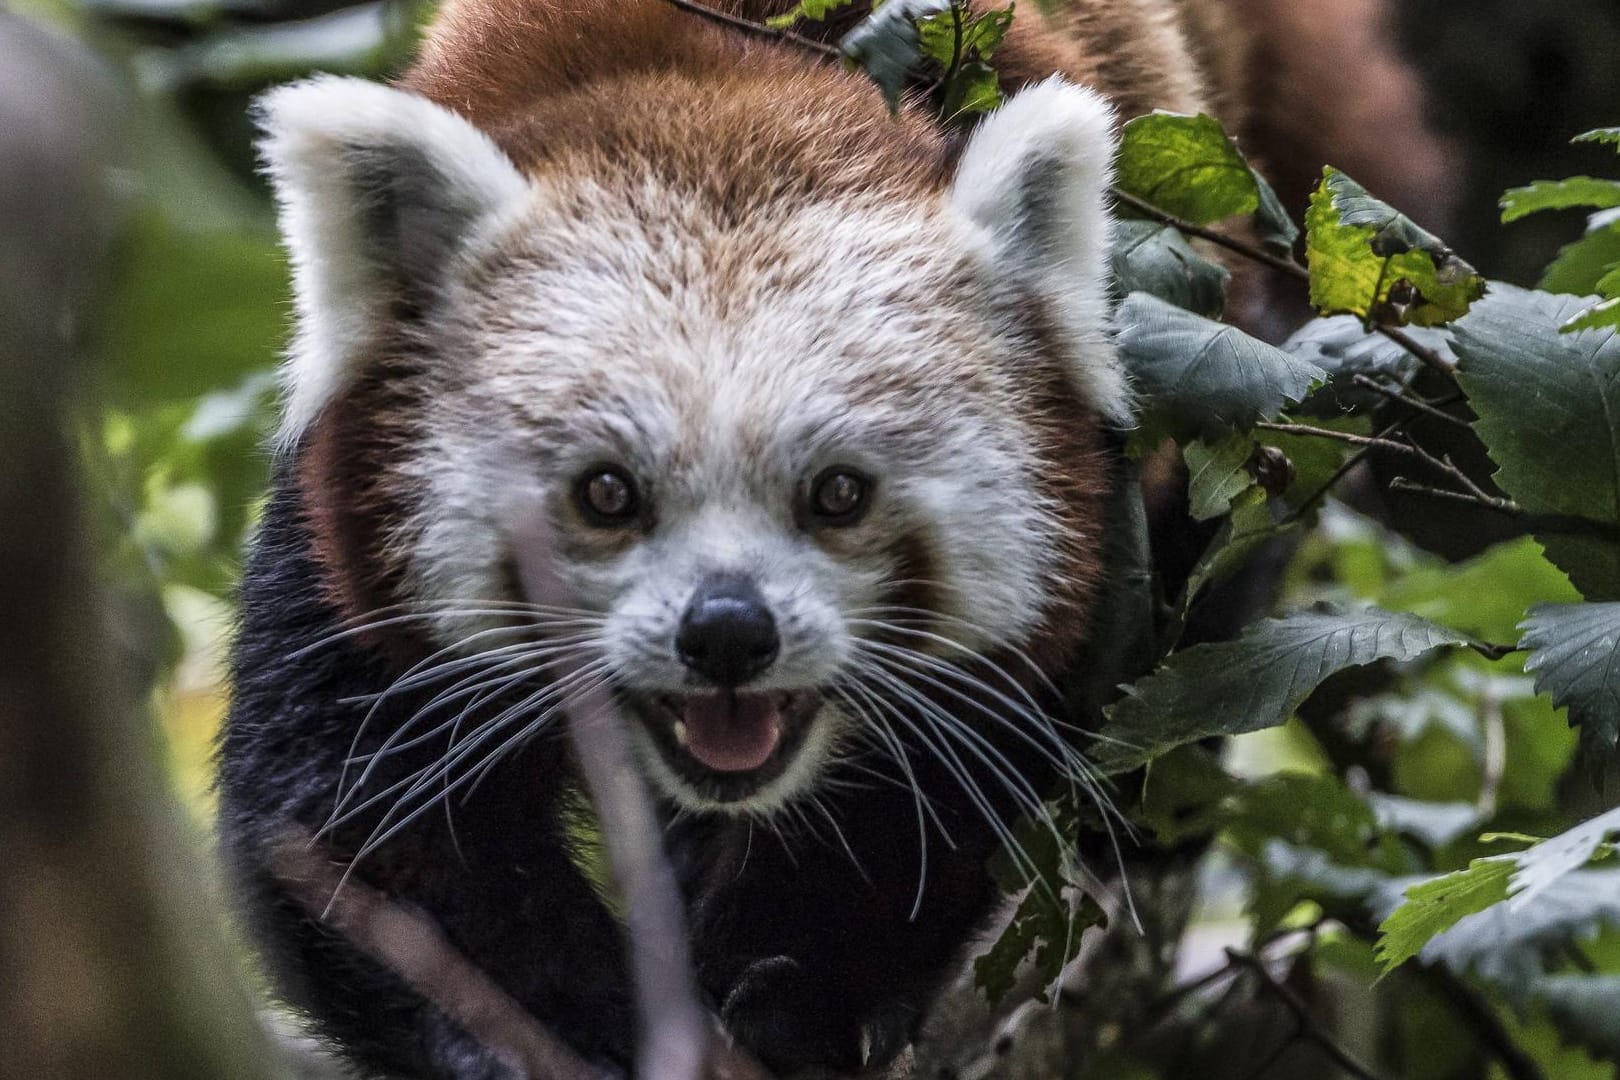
x,y
723,364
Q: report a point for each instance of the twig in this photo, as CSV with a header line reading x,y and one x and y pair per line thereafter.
x,y
1490,719
1419,404
1561,524
1429,357
1248,251
1308,1026
1371,442
413,948
675,1027
760,30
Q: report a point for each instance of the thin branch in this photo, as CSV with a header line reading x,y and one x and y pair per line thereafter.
x,y
1418,404
760,30
1430,357
1308,1026
1370,442
1248,251
412,947
675,1027
1560,524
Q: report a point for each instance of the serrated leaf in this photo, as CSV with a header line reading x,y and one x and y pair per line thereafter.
x,y
1198,378
1505,944
1438,904
1579,266
1540,865
1216,475
1256,681
1547,405
1610,135
814,10
1368,259
1559,195
1154,258
1575,654
886,44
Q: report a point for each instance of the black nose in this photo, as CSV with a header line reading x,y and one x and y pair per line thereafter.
x,y
727,634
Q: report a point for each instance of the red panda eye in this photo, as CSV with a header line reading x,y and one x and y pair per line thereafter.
x,y
839,495
607,496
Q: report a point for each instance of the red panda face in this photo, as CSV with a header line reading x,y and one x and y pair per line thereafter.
x,y
803,465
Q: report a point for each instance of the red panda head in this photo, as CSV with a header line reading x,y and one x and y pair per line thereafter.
x,y
809,400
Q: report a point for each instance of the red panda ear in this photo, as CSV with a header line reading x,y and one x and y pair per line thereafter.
x,y
1035,174
378,190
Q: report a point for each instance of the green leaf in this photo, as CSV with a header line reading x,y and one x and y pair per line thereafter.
x,y
1540,865
974,88
1580,265
1251,526
1599,316
1154,258
1198,378
814,10
1256,681
1438,904
1271,217
981,34
1507,943
886,44
1548,405
1186,166
1610,135
1046,929
1486,595
1575,654
1559,195
1216,474
1368,259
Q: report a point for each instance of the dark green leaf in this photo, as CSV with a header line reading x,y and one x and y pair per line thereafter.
x,y
886,45
1271,217
1370,260
1198,378
1547,405
1253,524
1154,258
1559,195
1575,653
1256,681
1216,474
1436,905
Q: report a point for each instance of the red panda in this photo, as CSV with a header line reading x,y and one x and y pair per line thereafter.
x,y
821,407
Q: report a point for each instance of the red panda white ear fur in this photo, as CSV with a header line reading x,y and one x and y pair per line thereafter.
x,y
1035,175
378,190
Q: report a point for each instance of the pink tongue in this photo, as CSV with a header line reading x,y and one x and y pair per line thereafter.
x,y
731,732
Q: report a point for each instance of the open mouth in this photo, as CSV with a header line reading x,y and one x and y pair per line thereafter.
x,y
727,744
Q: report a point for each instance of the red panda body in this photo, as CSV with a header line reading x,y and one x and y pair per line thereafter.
x,y
822,409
